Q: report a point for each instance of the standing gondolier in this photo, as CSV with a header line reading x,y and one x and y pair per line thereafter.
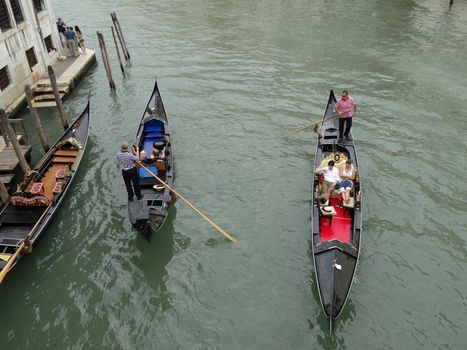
x,y
346,107
127,162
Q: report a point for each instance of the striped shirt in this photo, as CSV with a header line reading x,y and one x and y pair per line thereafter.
x,y
126,160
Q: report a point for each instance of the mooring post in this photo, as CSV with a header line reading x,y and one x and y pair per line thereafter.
x,y
5,137
35,117
113,15
118,50
58,100
4,193
14,141
105,59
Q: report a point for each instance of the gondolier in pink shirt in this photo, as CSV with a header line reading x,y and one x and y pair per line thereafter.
x,y
346,108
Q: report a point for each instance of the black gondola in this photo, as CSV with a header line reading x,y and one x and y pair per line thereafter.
x,y
39,196
336,226
153,133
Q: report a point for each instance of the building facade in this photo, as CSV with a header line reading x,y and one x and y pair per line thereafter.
x,y
29,42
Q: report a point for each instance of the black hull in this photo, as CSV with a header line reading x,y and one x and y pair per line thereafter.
x,y
17,222
335,260
150,213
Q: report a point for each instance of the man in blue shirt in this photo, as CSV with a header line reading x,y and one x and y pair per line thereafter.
x,y
127,162
70,36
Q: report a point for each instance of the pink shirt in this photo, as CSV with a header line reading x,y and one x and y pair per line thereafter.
x,y
346,107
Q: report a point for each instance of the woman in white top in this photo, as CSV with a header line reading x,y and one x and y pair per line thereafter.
x,y
347,174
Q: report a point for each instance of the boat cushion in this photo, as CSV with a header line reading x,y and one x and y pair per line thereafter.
x,y
27,200
143,173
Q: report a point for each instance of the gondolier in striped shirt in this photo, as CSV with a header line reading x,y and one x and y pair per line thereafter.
x,y
127,162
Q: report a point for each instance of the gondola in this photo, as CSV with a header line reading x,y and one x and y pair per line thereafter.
x,y
149,214
38,197
336,226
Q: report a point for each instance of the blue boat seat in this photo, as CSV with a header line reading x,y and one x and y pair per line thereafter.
x,y
143,173
153,125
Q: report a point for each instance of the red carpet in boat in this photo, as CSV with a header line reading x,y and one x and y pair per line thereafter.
x,y
340,227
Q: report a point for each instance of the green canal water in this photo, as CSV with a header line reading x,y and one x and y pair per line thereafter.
x,y
234,76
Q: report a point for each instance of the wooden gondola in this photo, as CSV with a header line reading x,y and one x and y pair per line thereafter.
x,y
153,132
336,227
39,196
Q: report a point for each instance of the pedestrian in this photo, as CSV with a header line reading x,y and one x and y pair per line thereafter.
x,y
72,41
127,162
61,27
79,35
346,108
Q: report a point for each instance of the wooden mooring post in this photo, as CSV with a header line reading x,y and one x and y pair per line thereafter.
x,y
116,23
35,117
14,142
118,50
58,100
4,193
105,58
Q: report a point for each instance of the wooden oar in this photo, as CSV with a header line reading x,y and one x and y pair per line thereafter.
x,y
213,224
6,269
305,127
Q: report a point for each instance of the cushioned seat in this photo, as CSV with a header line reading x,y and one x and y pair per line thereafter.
x,y
153,125
143,173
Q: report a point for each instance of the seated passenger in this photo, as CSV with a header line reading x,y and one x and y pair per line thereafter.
x,y
347,174
331,178
156,154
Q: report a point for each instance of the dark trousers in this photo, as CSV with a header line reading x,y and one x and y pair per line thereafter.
x,y
348,124
130,176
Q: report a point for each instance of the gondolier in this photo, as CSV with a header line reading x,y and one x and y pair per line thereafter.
x,y
127,162
346,108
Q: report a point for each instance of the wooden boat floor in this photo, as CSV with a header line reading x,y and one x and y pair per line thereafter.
x,y
49,180
340,227
67,152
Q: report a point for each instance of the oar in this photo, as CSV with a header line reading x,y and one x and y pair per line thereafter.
x,y
6,269
213,224
305,127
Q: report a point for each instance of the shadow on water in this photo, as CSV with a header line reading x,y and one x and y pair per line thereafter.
x,y
157,250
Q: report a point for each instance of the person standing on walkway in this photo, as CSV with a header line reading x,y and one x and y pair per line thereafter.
x,y
80,38
72,41
61,27
346,108
127,162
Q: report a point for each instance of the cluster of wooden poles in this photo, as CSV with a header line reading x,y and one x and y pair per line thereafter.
x,y
116,33
9,135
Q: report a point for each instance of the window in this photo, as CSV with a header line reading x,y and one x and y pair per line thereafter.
x,y
4,16
17,13
32,60
4,78
48,43
38,5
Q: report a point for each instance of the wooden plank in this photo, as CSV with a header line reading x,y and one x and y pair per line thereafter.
x,y
9,161
64,160
7,178
46,97
66,152
45,104
48,89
